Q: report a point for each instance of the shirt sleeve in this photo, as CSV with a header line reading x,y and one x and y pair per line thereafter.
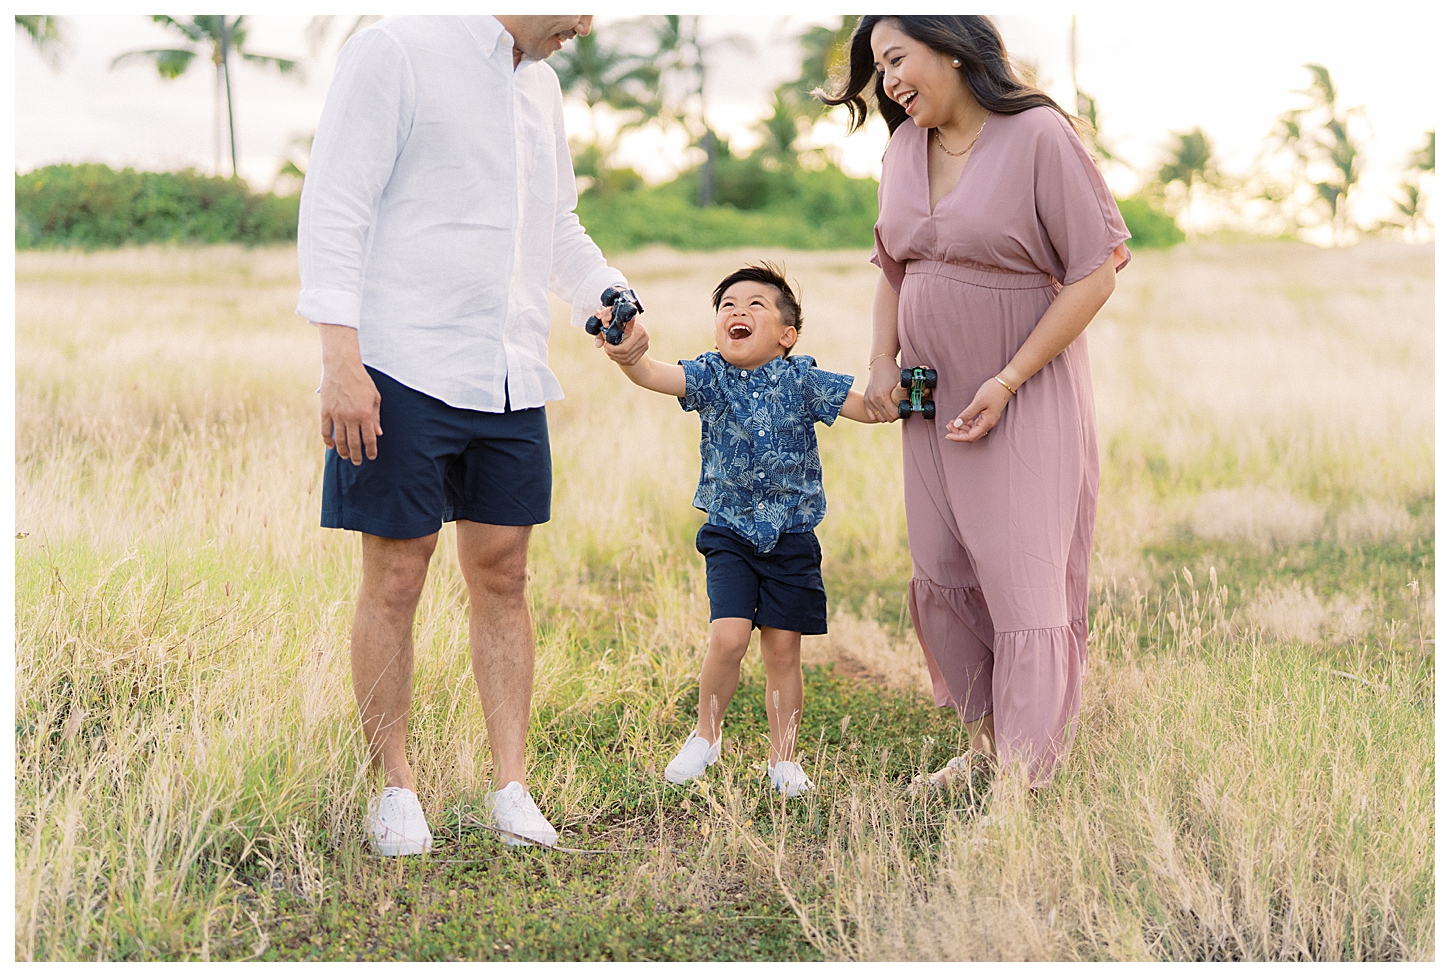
x,y
578,273
895,270
364,125
697,383
824,393
1074,205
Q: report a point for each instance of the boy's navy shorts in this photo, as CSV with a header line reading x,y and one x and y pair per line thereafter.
x,y
437,463
780,589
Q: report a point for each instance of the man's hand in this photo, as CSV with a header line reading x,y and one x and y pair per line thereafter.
x,y
349,398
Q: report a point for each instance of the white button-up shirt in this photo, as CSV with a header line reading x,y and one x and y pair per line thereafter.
x,y
438,212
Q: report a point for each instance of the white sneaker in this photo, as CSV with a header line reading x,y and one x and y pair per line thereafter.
x,y
396,823
697,754
788,778
514,811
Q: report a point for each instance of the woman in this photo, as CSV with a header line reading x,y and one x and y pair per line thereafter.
x,y
998,241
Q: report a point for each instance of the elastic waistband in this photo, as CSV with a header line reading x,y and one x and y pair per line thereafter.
x,y
978,276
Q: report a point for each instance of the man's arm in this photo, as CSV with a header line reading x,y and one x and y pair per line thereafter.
x,y
350,400
578,272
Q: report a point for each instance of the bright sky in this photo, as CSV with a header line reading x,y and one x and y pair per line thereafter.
x,y
1231,73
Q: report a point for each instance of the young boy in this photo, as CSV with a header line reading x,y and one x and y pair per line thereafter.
x,y
760,484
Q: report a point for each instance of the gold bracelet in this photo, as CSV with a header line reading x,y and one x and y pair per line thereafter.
x,y
872,361
1010,391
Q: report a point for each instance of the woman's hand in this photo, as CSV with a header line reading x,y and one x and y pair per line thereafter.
x,y
883,388
982,414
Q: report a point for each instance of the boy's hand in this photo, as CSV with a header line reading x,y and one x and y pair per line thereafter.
x,y
632,347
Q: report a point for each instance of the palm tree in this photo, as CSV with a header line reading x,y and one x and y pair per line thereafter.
x,y
796,109
48,34
219,38
1087,106
1411,202
603,74
682,58
1326,156
1189,163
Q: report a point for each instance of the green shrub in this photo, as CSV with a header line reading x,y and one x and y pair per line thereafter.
x,y
93,206
758,206
1150,227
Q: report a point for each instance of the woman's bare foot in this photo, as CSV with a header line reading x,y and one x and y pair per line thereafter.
x,y
958,772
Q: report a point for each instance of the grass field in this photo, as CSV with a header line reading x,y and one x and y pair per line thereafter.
x,y
1253,778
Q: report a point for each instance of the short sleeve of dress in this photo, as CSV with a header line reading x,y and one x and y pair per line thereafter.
x,y
823,392
697,382
1074,205
895,270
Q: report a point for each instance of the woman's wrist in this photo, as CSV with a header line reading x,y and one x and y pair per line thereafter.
x,y
871,364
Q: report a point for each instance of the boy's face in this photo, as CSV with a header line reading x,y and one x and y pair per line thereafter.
x,y
748,328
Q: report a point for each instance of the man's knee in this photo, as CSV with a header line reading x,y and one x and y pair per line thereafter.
x,y
494,560
394,570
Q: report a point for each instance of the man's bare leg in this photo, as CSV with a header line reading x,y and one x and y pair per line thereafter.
x,y
382,647
494,560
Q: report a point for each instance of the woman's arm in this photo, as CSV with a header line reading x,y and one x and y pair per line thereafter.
x,y
854,409
1064,320
884,375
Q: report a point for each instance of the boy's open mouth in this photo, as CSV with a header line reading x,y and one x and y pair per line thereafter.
x,y
739,331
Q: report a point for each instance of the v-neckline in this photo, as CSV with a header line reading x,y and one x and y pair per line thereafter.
x,y
926,168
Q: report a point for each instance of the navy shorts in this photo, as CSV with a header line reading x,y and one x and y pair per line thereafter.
x,y
780,589
437,463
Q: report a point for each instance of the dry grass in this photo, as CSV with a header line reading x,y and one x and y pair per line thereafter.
x,y
1254,776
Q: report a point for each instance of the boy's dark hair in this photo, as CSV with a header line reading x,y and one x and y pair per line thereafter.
x,y
767,273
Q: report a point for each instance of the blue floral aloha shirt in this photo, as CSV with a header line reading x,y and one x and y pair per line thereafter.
x,y
760,472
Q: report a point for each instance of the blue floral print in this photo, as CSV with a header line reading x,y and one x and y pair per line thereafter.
x,y
760,472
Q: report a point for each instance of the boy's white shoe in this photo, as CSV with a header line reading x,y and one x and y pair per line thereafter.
x,y
788,778
697,754
514,811
396,824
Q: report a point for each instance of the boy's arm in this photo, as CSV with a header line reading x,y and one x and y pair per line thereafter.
x,y
650,373
645,371
854,409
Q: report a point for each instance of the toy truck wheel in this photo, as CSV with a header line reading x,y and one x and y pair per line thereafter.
x,y
906,378
592,325
614,335
608,296
928,410
903,409
929,378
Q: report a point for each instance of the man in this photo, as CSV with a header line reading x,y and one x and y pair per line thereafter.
x,y
437,213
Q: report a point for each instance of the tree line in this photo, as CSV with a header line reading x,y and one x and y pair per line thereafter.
x,y
652,71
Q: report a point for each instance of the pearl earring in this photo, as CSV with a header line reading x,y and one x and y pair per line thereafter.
x,y
956,63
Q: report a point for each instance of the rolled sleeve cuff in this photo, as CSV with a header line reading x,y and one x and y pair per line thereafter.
x,y
586,299
331,306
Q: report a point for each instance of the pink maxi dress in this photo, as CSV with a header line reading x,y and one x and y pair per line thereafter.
x,y
1001,529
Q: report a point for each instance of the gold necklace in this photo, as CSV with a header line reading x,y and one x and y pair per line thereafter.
x,y
969,145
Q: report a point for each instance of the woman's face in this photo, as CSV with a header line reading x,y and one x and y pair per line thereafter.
x,y
919,78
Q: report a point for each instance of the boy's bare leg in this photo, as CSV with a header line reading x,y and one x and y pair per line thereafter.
x,y
720,674
784,689
494,560
394,571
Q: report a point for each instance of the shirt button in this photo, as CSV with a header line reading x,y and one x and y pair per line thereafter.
x,y
761,433
760,474
760,506
756,394
744,373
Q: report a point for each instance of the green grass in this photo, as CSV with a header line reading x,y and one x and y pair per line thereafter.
x,y
1253,776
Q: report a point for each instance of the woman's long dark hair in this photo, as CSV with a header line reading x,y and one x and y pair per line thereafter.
x,y
970,38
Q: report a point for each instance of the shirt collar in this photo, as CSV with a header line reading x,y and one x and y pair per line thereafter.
x,y
486,30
